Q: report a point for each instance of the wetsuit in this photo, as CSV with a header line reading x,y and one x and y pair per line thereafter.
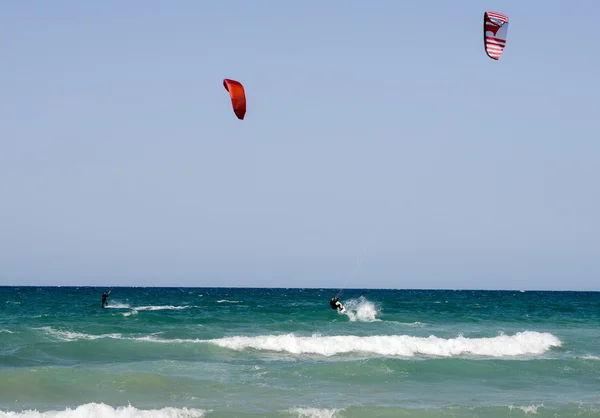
x,y
104,297
335,304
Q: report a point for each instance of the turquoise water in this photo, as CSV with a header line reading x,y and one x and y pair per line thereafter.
x,y
218,352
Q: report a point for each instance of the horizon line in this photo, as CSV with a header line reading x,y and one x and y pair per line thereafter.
x,y
302,288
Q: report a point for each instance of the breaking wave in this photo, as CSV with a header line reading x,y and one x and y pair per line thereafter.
x,y
106,411
522,343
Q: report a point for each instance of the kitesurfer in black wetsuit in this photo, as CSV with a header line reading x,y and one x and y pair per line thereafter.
x,y
105,297
336,304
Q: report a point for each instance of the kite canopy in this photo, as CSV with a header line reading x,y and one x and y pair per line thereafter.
x,y
238,97
495,28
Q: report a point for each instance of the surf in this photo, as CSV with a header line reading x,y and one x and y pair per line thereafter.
x,y
501,346
360,310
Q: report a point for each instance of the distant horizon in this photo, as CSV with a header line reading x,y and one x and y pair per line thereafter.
x,y
302,288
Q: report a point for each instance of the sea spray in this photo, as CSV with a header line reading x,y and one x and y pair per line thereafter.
x,y
361,310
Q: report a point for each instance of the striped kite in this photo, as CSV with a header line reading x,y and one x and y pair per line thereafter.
x,y
495,28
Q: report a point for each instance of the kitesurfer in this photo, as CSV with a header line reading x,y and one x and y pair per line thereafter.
x,y
336,304
105,297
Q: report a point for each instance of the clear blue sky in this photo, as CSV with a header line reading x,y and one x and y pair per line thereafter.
x,y
371,124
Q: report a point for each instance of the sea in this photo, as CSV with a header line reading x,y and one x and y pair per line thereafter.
x,y
259,352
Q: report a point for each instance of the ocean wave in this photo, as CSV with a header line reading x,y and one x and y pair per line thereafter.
x,y
134,310
69,336
74,336
101,410
314,412
229,301
412,324
117,305
530,409
106,411
162,308
520,344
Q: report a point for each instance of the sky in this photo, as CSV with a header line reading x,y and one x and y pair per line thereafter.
x,y
381,148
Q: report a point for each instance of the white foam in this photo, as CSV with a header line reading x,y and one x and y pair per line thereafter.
x,y
101,410
314,412
162,308
229,301
522,343
68,336
361,310
532,409
161,341
6,331
74,336
117,305
135,310
412,324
